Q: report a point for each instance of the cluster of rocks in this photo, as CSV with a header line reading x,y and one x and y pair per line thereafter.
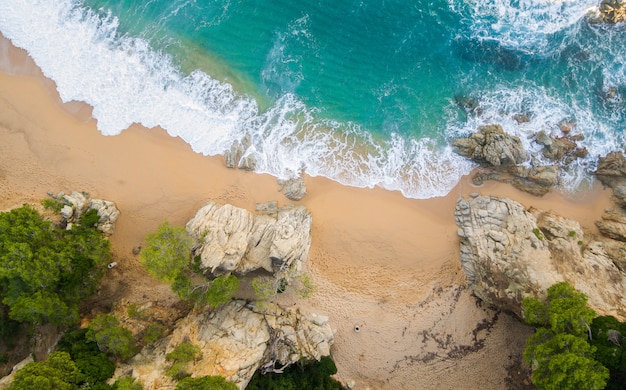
x,y
610,11
240,155
235,341
503,157
508,252
231,239
76,204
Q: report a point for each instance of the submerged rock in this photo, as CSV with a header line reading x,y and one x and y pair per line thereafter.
x,y
508,253
231,239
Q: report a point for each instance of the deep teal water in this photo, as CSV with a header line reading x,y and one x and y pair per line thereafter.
x,y
364,92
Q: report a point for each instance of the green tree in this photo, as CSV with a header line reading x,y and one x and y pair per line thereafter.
x,y
609,338
167,253
184,353
46,271
205,383
167,257
111,338
302,375
58,372
92,363
565,310
558,352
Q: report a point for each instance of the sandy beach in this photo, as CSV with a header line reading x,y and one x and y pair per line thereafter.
x,y
380,261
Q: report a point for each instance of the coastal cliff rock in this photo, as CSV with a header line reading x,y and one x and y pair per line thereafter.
x,y
235,341
492,145
230,239
77,204
509,253
611,170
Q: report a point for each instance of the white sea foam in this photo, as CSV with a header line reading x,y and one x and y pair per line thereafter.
x,y
525,25
546,112
127,82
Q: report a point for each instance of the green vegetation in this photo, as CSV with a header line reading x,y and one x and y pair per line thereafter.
x,y
94,365
572,233
46,271
609,339
110,337
127,383
52,204
304,375
559,352
538,233
184,353
205,383
167,257
58,372
153,332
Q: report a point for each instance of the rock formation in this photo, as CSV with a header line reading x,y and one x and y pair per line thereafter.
x,y
504,159
77,204
492,145
294,189
610,11
235,341
509,253
240,155
230,239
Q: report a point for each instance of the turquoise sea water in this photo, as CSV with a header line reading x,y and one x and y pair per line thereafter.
x,y
363,92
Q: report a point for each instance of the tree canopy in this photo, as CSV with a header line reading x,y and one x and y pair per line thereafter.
x,y
559,352
110,337
46,271
167,257
58,372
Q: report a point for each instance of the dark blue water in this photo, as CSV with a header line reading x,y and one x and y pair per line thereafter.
x,y
364,92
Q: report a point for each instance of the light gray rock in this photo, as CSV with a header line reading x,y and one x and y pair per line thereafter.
x,y
235,341
77,204
492,145
509,253
294,189
613,224
231,239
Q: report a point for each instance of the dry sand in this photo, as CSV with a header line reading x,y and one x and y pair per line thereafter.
x,y
380,261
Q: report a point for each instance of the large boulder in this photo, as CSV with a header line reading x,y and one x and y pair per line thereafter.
x,y
492,145
231,239
508,253
235,341
611,170
294,188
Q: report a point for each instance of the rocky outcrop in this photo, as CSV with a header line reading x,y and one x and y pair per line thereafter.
x,y
613,224
235,341
492,145
230,239
294,189
240,155
509,253
610,11
503,158
611,170
76,204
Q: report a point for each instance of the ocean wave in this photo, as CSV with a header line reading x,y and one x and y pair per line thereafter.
x,y
127,82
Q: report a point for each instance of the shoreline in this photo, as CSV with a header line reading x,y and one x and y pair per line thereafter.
x,y
380,260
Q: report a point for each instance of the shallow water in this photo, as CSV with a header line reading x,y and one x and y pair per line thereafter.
x,y
363,92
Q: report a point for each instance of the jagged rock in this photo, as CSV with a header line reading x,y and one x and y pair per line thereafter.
x,y
240,156
107,213
613,224
248,162
231,239
294,189
555,148
566,126
611,170
619,195
521,118
509,253
77,204
612,11
492,145
537,180
235,341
